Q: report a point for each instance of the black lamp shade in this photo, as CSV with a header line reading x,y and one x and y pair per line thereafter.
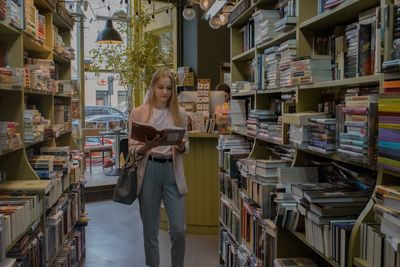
x,y
109,35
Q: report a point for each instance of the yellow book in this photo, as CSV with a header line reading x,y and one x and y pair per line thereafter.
x,y
390,162
389,126
389,108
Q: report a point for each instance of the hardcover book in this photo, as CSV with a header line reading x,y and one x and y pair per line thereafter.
x,y
142,131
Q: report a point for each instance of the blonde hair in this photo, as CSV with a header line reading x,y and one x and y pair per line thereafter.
x,y
173,104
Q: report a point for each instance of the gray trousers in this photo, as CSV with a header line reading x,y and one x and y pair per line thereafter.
x,y
159,183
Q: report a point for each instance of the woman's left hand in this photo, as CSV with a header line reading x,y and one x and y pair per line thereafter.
x,y
181,147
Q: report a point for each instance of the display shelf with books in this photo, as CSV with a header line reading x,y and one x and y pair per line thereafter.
x,y
336,91
7,29
36,109
30,44
302,238
343,83
246,55
340,14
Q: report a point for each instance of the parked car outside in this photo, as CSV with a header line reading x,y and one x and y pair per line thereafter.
x,y
103,121
102,110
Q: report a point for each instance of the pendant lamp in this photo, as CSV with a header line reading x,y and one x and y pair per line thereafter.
x,y
109,35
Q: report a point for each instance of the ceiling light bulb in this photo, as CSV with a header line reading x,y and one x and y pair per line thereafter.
x,y
206,4
215,23
223,17
188,12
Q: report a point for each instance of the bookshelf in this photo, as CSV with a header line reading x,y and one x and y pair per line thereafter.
x,y
310,23
24,53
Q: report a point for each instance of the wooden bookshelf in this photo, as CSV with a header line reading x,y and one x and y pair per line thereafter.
x,y
243,18
245,94
343,13
10,88
33,45
277,40
8,29
302,237
351,82
12,108
276,91
310,24
358,262
342,158
5,153
246,55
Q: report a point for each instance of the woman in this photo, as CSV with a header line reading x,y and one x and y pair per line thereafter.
x,y
224,87
160,169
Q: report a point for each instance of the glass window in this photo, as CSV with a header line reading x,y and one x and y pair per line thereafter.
x,y
101,98
122,101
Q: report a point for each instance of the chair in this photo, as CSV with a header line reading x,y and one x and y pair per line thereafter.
x,y
87,132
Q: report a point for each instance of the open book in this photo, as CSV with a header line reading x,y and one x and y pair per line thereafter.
x,y
140,130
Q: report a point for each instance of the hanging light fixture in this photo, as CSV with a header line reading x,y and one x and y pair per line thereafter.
x,y
109,35
188,12
206,4
223,17
215,22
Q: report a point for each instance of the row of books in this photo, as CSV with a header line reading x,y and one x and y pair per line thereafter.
x,y
389,130
393,36
379,238
329,212
35,22
60,47
11,76
10,138
40,74
11,13
36,127
324,5
355,49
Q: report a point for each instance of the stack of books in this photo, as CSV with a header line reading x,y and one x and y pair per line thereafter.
x,y
258,116
272,58
14,14
264,21
323,135
9,136
3,9
329,212
237,114
41,29
358,141
299,136
311,70
288,53
287,13
40,74
270,131
30,18
43,165
36,127
389,130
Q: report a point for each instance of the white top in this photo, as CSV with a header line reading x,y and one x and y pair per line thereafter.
x,y
162,119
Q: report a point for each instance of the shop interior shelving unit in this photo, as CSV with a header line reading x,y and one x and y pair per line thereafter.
x,y
17,43
309,23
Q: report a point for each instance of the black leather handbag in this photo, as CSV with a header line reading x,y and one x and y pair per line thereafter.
x,y
125,191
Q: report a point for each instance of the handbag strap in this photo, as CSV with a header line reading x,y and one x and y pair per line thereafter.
x,y
128,158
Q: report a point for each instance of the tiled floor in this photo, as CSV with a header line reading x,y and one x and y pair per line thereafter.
x,y
114,238
97,177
